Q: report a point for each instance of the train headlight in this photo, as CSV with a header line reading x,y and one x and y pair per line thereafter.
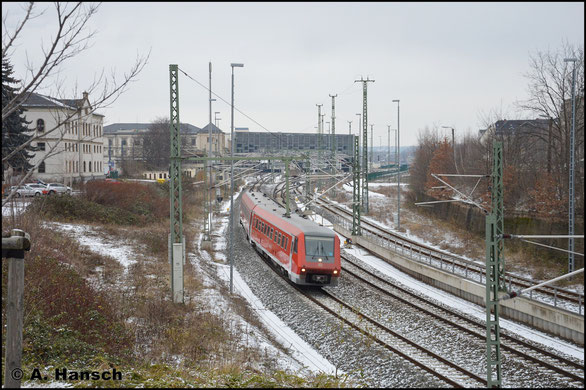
x,y
302,269
335,272
320,259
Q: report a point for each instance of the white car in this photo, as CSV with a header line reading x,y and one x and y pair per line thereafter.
x,y
27,190
37,186
57,188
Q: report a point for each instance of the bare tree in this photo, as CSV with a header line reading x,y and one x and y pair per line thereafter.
x,y
550,87
156,143
72,37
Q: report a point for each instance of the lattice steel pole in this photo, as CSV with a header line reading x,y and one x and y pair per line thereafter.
x,y
571,170
176,239
356,231
333,137
364,144
319,139
495,268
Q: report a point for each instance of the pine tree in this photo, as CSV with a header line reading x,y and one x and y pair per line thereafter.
x,y
14,127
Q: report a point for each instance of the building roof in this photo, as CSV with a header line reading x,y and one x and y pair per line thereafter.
x,y
36,100
509,127
42,101
142,127
516,126
206,129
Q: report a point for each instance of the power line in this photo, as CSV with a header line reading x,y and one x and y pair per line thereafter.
x,y
228,103
222,99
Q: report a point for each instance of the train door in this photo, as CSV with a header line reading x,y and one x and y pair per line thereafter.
x,y
249,227
292,251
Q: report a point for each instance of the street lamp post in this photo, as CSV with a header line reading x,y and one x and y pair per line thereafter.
x,y
232,182
398,169
571,184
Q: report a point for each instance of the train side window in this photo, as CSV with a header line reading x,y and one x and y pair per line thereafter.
x,y
271,234
286,242
279,239
295,245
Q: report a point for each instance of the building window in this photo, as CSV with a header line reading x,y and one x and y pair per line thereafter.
x,y
40,125
84,166
41,145
42,167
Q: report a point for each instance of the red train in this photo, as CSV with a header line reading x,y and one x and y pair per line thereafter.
x,y
305,252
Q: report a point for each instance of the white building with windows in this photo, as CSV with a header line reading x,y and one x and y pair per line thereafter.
x,y
69,137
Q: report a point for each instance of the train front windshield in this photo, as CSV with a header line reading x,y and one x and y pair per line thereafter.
x,y
319,246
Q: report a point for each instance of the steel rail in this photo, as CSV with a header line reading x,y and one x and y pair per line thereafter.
x,y
440,312
421,249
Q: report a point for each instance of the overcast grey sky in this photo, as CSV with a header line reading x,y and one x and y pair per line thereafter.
x,y
448,63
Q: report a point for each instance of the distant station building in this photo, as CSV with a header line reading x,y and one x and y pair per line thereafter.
x,y
265,142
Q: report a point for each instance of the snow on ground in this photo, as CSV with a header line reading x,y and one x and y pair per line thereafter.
x,y
302,355
300,350
455,242
459,304
17,207
89,237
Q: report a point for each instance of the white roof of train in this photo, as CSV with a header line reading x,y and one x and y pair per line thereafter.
x,y
307,226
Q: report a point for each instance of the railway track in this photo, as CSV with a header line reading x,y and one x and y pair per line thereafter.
x,y
457,265
423,358
532,354
449,372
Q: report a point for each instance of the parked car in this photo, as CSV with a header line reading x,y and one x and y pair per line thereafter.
x,y
57,188
38,186
27,190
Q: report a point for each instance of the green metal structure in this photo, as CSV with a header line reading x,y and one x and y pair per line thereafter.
x,y
308,191
495,268
333,141
286,160
176,239
364,144
356,231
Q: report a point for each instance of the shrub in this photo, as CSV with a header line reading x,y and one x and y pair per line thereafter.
x,y
141,199
57,297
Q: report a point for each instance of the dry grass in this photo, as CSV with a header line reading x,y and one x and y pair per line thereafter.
x,y
525,259
134,303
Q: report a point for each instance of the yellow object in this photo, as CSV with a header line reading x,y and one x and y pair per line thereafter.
x,y
160,181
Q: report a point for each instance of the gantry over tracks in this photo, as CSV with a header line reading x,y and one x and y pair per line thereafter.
x,y
441,270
